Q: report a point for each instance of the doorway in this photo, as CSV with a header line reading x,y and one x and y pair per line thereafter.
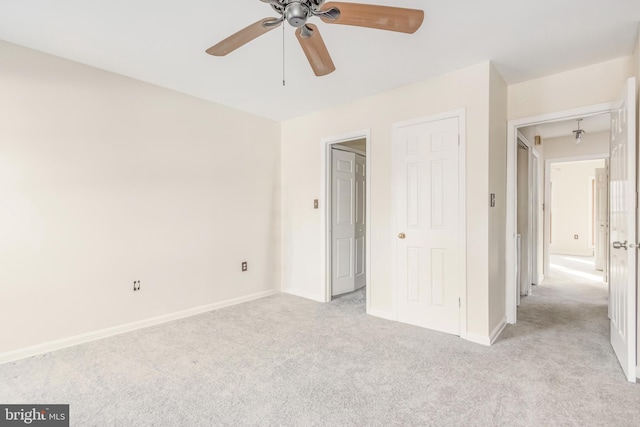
x,y
348,225
578,210
527,238
622,213
356,248
527,130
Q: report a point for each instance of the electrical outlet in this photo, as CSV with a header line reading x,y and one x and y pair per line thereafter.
x,y
244,266
315,203
136,285
575,236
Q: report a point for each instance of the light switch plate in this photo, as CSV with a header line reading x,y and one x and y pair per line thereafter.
x,y
315,203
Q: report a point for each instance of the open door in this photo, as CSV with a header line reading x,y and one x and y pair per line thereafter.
x,y
347,222
343,219
601,220
622,216
524,218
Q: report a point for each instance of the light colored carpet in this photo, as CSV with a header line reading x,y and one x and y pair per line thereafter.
x,y
284,360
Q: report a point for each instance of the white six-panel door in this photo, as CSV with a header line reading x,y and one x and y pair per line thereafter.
x,y
601,219
427,212
343,221
360,226
622,217
347,222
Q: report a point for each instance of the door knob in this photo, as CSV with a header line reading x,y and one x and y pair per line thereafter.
x,y
401,236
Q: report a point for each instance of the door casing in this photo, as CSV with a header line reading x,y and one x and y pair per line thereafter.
x,y
512,146
325,211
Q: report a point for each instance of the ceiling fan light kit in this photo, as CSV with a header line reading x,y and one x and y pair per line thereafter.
x,y
578,133
297,12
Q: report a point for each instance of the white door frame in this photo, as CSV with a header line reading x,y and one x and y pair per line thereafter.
x,y
547,195
512,150
325,212
460,114
532,160
534,166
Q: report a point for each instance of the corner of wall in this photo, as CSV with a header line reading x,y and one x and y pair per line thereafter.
x,y
498,98
636,73
635,66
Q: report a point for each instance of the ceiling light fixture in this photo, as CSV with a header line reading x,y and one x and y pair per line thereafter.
x,y
578,133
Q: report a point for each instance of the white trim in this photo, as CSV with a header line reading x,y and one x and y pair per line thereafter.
x,y
462,179
478,339
350,150
638,373
47,347
585,157
498,330
383,314
591,218
511,201
325,214
488,341
536,208
460,114
306,295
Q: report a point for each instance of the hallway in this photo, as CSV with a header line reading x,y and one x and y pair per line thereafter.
x,y
563,334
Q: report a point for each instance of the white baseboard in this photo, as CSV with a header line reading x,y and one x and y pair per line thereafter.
x,y
497,330
294,292
478,339
487,340
383,314
23,353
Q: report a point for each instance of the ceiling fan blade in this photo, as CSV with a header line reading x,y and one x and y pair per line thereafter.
x,y
315,50
374,16
244,36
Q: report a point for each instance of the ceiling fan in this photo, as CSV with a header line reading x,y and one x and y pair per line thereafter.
x,y
297,12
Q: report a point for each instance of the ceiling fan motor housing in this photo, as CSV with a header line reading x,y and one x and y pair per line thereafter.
x,y
296,13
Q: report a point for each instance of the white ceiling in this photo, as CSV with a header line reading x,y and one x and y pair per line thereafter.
x,y
163,42
591,124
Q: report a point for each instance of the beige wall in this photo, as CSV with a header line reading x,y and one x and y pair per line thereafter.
x,y
571,207
593,144
105,180
301,165
498,186
595,84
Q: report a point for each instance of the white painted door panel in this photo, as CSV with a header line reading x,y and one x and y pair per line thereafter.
x,y
360,226
622,217
601,218
425,171
343,217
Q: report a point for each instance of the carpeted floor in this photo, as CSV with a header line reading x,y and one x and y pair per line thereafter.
x,y
284,360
